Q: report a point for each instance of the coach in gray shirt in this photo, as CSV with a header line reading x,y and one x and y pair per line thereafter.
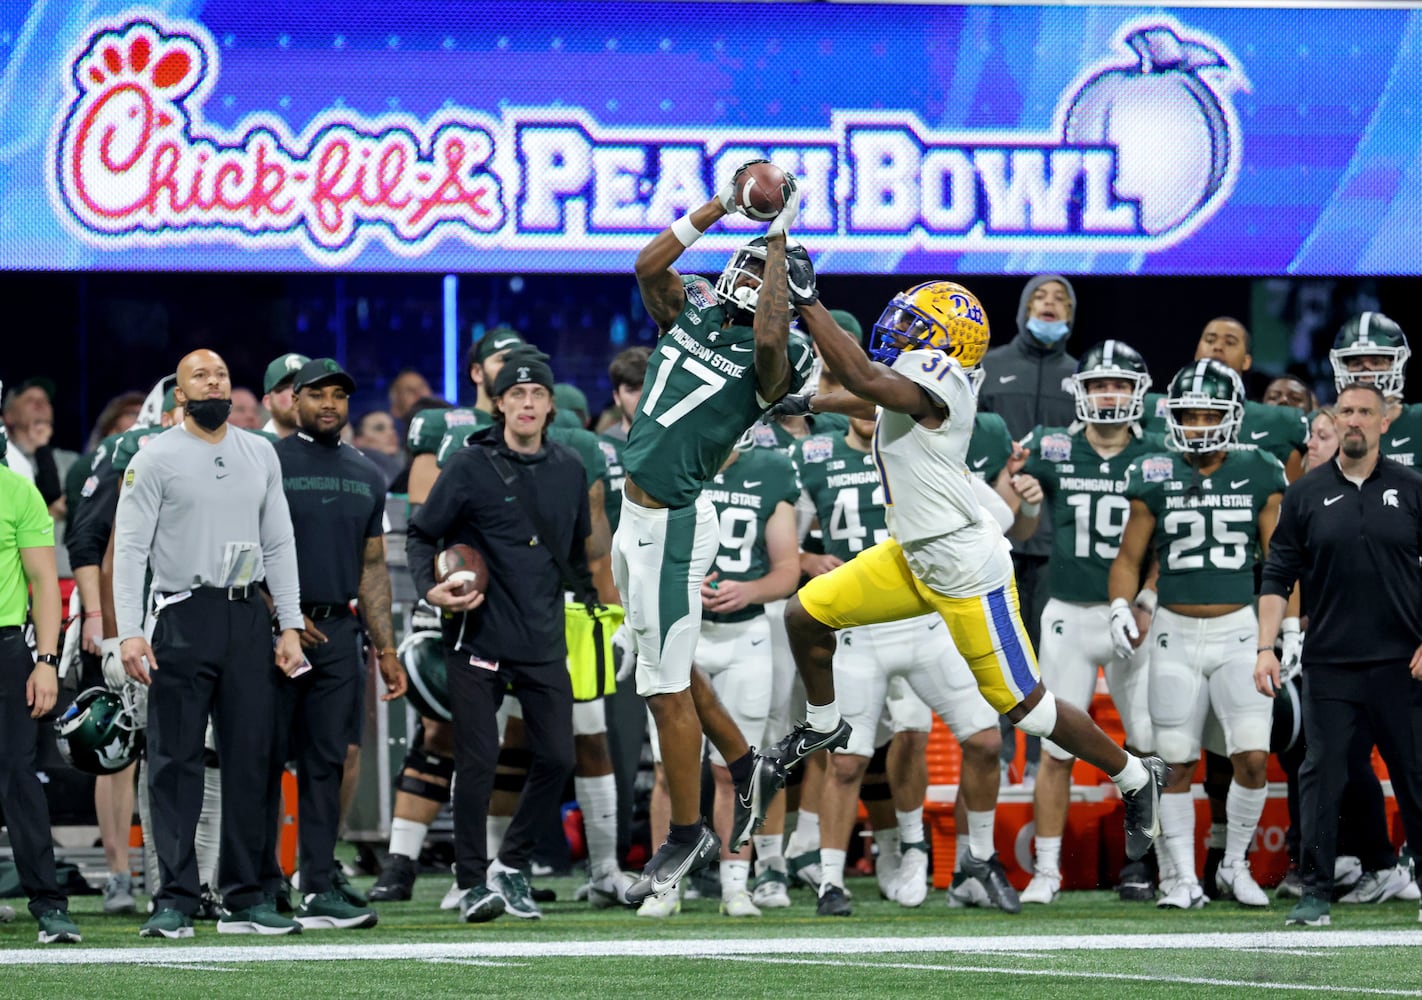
x,y
202,507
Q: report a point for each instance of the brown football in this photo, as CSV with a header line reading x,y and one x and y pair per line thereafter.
x,y
464,564
761,190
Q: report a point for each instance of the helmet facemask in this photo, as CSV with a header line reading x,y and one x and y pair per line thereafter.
x,y
1389,381
1203,440
738,295
1109,408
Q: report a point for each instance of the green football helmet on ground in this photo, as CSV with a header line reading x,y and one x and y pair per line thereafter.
x,y
100,733
1111,359
422,653
1205,385
1370,334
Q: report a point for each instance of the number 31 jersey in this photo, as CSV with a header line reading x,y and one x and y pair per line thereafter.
x,y
1088,506
1206,530
698,398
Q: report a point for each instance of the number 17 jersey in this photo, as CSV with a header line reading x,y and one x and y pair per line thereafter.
x,y
698,398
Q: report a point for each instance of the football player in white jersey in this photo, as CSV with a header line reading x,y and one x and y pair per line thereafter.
x,y
944,553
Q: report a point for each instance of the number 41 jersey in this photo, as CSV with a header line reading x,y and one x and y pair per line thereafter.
x,y
1206,530
698,398
1088,506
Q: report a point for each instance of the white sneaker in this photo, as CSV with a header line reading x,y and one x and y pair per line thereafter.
x,y
1409,892
1378,886
911,887
1043,888
770,890
609,889
1236,881
967,890
886,872
739,904
1347,870
662,905
452,897
1185,894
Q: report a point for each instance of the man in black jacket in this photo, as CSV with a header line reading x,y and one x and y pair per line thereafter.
x,y
1028,384
1351,532
517,497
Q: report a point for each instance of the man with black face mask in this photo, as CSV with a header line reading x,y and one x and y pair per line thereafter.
x,y
337,500
202,507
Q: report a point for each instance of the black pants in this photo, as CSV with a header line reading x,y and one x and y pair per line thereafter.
x,y
315,723
1384,704
475,694
1362,813
21,794
214,656
1033,582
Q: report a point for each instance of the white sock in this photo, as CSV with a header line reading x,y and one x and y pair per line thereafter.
x,y
407,837
980,830
806,837
887,841
1133,776
495,827
1244,806
207,838
1049,855
832,866
598,799
1218,837
1177,829
822,718
910,826
733,877
769,852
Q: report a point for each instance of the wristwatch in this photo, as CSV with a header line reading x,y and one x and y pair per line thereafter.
x,y
49,658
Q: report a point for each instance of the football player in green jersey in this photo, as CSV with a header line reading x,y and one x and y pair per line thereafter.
x,y
1204,509
722,358
1371,348
1281,431
1081,471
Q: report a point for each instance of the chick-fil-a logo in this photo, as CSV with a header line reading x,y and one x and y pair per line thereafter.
x,y
137,162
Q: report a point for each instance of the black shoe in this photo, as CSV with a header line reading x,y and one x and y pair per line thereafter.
x,y
208,907
542,895
672,863
1143,809
1213,857
804,741
833,902
1136,885
994,879
281,899
397,880
753,798
341,884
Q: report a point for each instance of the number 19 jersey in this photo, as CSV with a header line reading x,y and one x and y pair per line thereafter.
x,y
698,398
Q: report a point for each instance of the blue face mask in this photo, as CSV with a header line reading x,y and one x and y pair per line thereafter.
x,y
1047,331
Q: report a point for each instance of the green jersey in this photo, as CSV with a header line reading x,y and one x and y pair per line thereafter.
x,y
584,442
1402,442
1086,497
612,455
428,428
844,486
1279,430
773,435
126,445
1206,530
698,398
990,446
745,494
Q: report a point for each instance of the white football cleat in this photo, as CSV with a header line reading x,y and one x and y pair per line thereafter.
x,y
663,905
1378,886
609,889
739,904
911,887
452,897
886,872
1043,888
770,890
1236,881
1185,894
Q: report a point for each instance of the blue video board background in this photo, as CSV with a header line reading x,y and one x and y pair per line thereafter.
x,y
502,137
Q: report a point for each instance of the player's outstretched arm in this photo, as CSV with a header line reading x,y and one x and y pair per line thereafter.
x,y
877,383
772,324
662,291
1125,577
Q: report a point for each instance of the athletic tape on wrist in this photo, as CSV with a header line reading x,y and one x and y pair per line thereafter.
x,y
685,231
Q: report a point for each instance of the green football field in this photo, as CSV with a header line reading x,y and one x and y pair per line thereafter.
x,y
1087,944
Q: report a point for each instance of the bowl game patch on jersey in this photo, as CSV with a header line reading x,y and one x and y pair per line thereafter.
x,y
1056,448
700,294
1157,469
817,449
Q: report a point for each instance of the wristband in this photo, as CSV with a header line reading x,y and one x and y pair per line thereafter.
x,y
1030,509
1147,600
685,231
48,658
391,650
1265,649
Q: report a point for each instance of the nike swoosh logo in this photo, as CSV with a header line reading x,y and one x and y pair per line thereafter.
x,y
1004,379
980,462
1399,442
643,541
1256,435
804,293
934,625
1236,485
1244,638
1332,500
510,499
224,475
752,485
499,345
328,499
742,350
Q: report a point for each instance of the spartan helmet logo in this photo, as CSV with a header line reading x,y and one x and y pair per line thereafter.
x,y
1389,498
293,362
523,375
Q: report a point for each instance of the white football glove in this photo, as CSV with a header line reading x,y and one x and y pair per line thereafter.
x,y
1123,628
114,676
780,225
624,646
727,195
1291,655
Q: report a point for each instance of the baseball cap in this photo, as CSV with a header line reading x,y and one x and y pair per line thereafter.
x,y
322,370
500,338
283,369
170,400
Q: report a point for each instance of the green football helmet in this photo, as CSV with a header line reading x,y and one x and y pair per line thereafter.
x,y
1205,385
1370,334
1287,724
100,733
422,653
1115,360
